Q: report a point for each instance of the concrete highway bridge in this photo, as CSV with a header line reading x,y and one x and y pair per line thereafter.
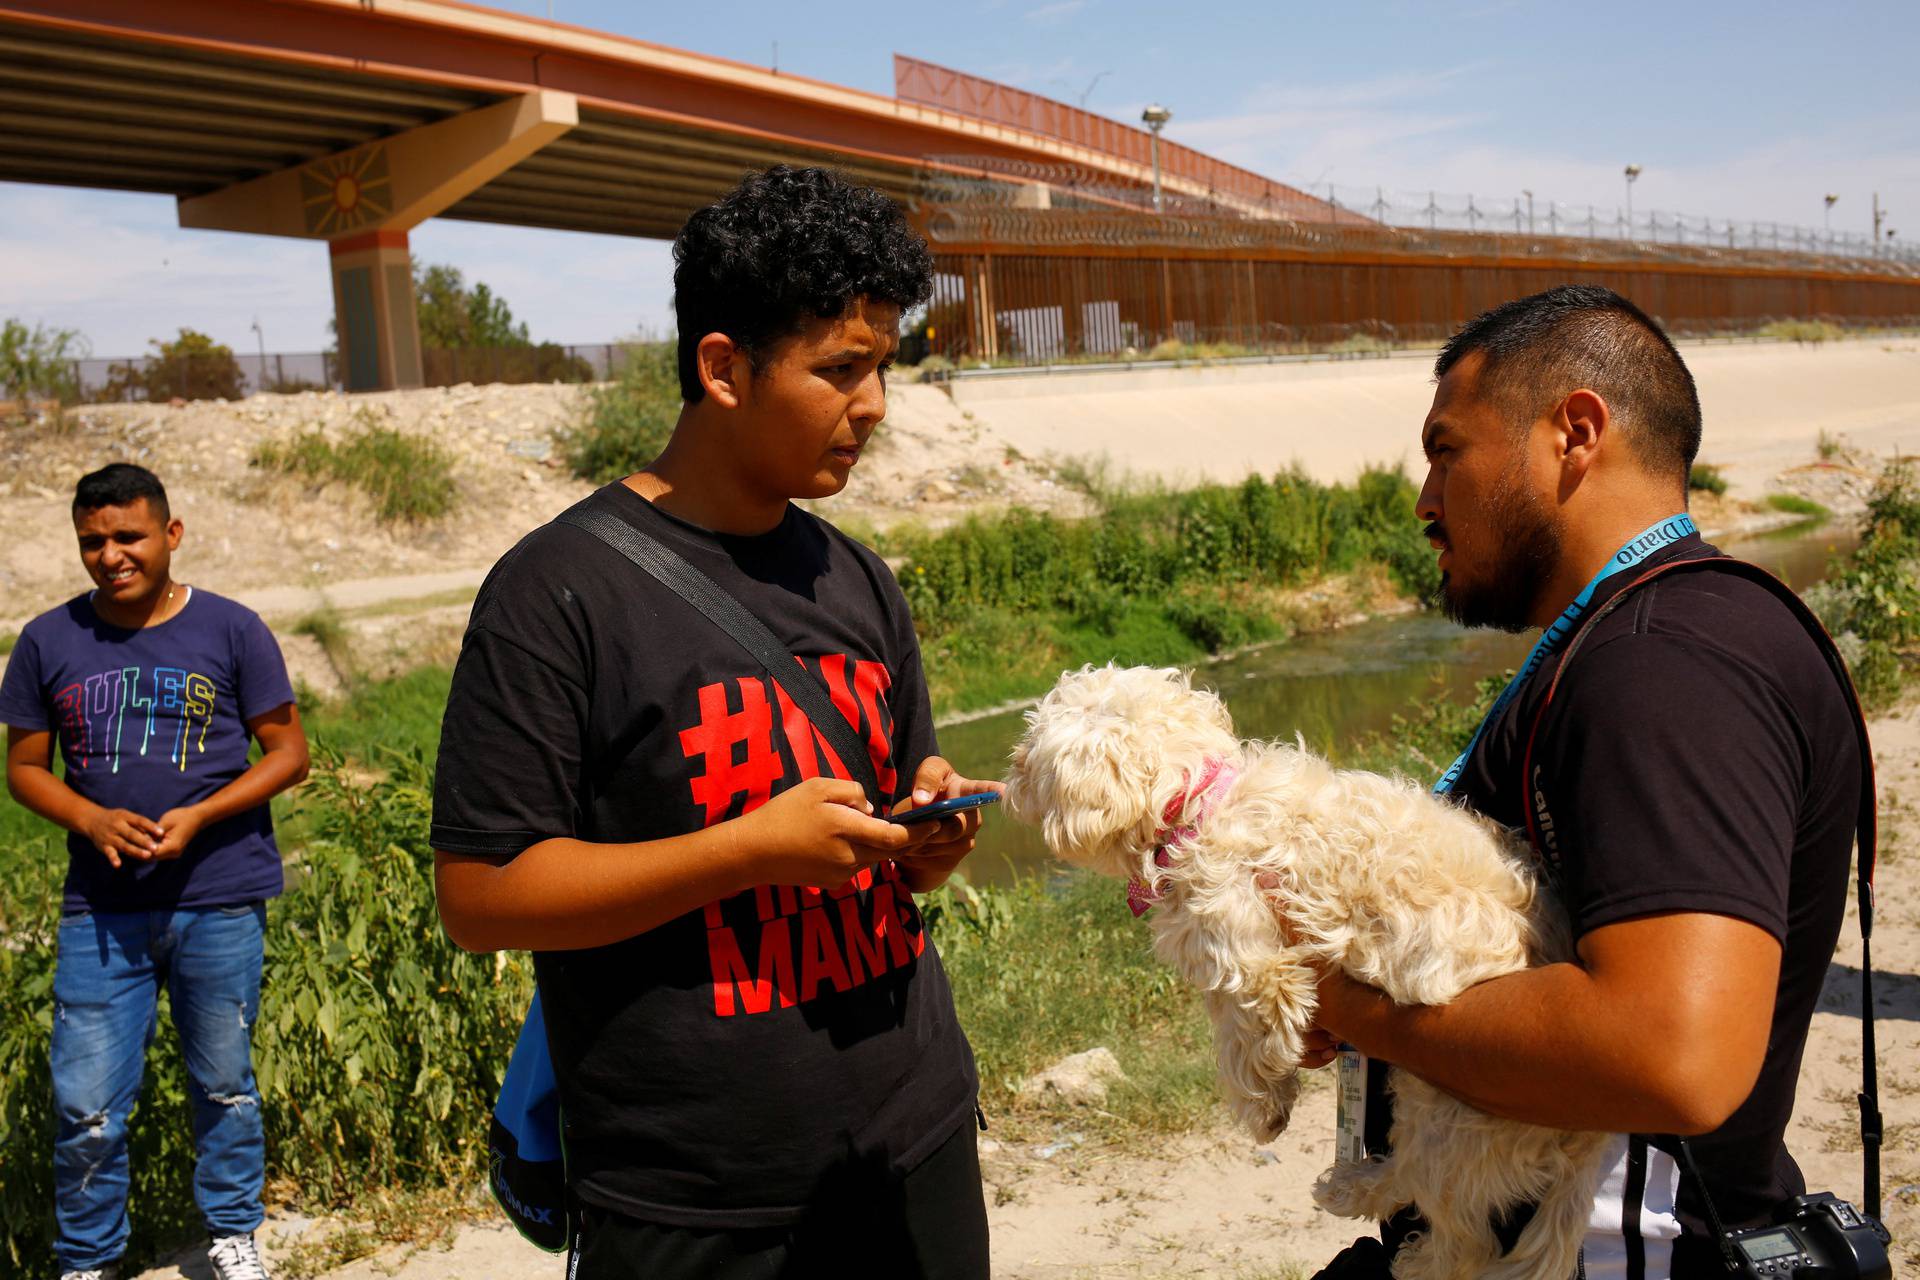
x,y
352,121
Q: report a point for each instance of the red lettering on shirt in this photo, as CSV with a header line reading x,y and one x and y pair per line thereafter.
x,y
713,740
848,935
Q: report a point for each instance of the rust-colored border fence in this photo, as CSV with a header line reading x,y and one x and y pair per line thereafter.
x,y
1033,309
1042,284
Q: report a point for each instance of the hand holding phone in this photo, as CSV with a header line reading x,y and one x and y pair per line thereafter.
x,y
942,808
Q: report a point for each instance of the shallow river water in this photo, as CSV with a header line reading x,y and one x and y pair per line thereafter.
x,y
1335,687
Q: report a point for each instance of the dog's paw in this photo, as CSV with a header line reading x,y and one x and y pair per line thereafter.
x,y
1359,1190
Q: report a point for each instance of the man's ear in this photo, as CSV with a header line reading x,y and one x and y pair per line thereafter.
x,y
724,369
1584,424
174,530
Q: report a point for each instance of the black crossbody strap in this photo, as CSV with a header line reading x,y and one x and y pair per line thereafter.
x,y
672,571
1867,836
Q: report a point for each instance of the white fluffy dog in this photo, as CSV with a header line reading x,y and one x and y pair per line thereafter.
x,y
1137,774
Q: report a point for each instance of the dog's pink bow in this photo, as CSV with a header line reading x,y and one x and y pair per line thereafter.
x,y
1215,777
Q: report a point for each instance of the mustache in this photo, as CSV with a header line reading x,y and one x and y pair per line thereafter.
x,y
1437,531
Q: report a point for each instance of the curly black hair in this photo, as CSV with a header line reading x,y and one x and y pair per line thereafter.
x,y
783,247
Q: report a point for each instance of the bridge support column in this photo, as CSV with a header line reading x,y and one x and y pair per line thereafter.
x,y
365,200
374,320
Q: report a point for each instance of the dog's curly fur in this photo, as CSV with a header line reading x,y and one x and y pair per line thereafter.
x,y
1402,890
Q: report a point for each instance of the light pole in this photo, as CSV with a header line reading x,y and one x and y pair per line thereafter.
x,y
1831,200
1155,117
1529,196
1632,172
261,381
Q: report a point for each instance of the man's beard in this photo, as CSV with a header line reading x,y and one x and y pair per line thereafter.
x,y
1529,543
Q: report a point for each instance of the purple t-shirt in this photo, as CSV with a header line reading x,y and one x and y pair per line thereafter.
x,y
151,720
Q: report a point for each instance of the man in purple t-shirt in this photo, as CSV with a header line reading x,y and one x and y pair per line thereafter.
x,y
155,691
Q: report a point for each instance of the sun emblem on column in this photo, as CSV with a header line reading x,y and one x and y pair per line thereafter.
x,y
346,191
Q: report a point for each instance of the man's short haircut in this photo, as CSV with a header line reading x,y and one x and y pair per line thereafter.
x,y
785,247
120,484
1539,348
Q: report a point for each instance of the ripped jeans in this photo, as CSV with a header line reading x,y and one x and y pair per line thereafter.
x,y
106,989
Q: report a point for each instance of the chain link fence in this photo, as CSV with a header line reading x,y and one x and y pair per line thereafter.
x,y
232,377
1525,214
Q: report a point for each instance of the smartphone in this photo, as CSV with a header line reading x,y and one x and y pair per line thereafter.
x,y
941,808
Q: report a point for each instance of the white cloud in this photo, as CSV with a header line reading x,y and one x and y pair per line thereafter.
x,y
1051,15
117,268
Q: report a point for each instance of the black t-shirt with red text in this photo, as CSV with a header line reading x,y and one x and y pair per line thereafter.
x,y
735,1065
1699,756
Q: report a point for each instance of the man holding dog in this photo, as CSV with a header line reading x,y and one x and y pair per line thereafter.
x,y
1694,784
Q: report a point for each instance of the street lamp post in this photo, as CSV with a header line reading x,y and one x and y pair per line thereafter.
x,y
1831,200
1529,196
1155,118
1632,172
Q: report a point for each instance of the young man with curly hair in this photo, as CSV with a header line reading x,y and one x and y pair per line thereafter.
x,y
759,1065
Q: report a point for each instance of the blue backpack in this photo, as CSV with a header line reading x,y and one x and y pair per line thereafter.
x,y
526,1159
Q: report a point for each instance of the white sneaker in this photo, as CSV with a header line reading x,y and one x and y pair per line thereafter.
x,y
109,1272
236,1258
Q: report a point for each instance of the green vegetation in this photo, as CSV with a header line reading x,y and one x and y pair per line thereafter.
x,y
470,335
1803,331
453,315
7,640
1871,600
1706,478
408,478
378,1050
1795,505
1086,977
191,367
38,363
630,419
1173,349
1005,602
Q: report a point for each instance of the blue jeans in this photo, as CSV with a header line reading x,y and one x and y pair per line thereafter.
x,y
106,990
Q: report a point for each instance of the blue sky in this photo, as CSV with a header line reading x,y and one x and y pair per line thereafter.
x,y
1751,111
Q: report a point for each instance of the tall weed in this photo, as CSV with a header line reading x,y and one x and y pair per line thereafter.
x,y
1871,600
629,420
378,1051
408,478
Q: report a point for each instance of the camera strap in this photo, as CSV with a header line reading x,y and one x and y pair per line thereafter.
x,y
719,607
1867,837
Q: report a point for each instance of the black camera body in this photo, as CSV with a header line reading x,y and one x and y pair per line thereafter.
x,y
1814,1237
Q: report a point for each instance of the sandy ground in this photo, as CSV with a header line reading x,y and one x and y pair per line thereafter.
x,y
1217,1205
1764,406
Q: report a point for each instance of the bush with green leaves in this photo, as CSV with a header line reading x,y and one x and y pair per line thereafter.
x,y
190,367
1269,532
1704,477
379,1048
407,476
629,420
1871,600
39,363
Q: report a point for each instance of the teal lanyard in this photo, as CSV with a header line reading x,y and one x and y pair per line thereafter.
x,y
1649,540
